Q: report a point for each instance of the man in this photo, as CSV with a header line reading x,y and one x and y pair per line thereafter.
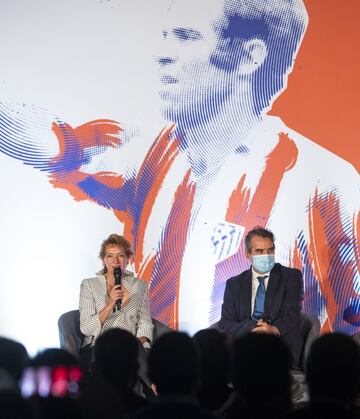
x,y
220,166
265,298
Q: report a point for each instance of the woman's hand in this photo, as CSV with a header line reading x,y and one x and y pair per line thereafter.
x,y
119,292
126,296
115,293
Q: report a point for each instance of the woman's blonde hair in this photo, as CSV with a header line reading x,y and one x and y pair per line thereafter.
x,y
116,240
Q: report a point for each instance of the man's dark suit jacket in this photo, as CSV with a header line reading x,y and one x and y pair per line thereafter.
x,y
282,306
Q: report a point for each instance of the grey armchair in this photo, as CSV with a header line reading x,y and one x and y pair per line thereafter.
x,y
70,335
310,329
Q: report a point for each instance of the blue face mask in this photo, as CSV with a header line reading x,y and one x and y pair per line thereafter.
x,y
263,263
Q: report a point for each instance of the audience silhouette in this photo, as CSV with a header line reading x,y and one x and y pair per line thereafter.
x,y
199,377
333,376
48,384
261,378
109,391
214,387
174,369
356,337
116,358
13,360
333,368
13,406
53,357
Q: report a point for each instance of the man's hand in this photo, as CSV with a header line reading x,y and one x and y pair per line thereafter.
x,y
263,327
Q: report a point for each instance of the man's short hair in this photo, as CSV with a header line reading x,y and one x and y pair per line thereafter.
x,y
258,231
281,24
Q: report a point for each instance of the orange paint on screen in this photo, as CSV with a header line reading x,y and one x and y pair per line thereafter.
x,y
324,252
320,260
295,257
128,222
72,143
68,181
165,284
322,97
100,132
146,269
111,179
280,160
184,219
238,202
162,156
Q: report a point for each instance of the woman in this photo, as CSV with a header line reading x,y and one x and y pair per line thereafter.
x,y
98,297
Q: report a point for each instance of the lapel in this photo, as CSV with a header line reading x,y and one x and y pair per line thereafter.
x,y
245,294
271,291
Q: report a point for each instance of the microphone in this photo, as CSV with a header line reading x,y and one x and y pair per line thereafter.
x,y
117,275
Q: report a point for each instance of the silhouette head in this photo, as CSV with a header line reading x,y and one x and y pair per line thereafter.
x,y
262,364
53,357
13,357
333,368
215,356
174,364
116,357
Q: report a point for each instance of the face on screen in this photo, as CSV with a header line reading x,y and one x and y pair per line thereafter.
x,y
191,85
